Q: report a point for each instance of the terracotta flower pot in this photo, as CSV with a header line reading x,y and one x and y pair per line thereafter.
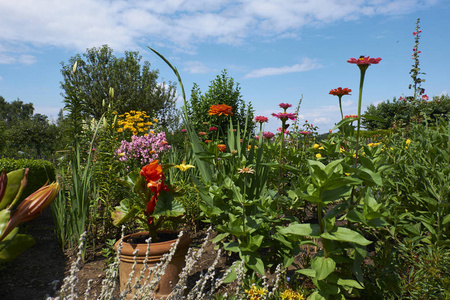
x,y
135,241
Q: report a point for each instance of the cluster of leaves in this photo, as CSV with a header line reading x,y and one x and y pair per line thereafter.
x,y
400,112
25,134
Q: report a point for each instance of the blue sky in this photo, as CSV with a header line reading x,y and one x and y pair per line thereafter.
x,y
279,51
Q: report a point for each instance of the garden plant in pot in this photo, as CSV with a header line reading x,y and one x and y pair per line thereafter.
x,y
151,203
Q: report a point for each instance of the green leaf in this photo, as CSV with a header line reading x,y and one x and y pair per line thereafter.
x,y
312,230
370,177
350,283
446,219
168,207
16,246
308,272
316,295
343,234
323,266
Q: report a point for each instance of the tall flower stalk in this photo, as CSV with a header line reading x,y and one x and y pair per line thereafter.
x,y
415,71
363,62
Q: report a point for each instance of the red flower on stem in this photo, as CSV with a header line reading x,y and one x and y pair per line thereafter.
x,y
340,91
284,116
261,119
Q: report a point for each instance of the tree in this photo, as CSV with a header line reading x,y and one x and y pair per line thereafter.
x,y
15,111
222,90
135,85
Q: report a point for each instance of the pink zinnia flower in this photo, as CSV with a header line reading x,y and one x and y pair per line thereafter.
x,y
261,119
212,128
183,130
351,116
284,116
285,131
364,60
425,97
268,135
285,105
305,132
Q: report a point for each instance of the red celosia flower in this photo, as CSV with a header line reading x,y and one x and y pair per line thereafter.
x,y
340,91
261,119
212,128
220,109
285,105
222,147
364,60
284,116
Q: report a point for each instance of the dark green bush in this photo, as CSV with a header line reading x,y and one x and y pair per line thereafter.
x,y
40,172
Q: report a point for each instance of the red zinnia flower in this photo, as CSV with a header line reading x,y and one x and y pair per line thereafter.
x,y
222,147
220,109
202,133
261,119
212,128
364,60
351,116
340,91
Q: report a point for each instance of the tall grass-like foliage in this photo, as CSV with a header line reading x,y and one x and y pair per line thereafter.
x,y
71,208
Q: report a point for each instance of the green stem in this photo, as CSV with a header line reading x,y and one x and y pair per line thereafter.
x,y
363,69
340,107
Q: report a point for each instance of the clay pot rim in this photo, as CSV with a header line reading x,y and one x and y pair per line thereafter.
x,y
127,246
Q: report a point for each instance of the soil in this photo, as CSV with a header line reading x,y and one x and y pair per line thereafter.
x,y
40,270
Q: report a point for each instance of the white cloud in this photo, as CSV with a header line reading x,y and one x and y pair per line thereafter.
x,y
196,67
77,25
306,65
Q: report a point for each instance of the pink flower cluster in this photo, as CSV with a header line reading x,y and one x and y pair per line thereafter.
x,y
143,149
285,131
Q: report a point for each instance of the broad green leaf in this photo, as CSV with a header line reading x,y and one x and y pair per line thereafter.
x,y
167,206
220,237
253,261
312,230
308,272
323,266
350,283
316,295
16,246
370,177
446,219
343,234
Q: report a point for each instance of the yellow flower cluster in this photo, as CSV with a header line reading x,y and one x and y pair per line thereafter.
x,y
291,295
135,121
255,293
373,144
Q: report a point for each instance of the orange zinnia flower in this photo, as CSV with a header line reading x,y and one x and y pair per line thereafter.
x,y
220,109
222,147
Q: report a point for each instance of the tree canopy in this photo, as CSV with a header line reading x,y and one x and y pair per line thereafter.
x,y
222,90
135,85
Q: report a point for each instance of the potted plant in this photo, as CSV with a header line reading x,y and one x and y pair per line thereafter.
x,y
151,202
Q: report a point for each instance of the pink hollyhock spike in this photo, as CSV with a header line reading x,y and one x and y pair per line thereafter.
x,y
414,33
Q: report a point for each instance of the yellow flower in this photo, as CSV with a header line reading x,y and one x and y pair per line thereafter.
x,y
291,295
183,167
155,120
321,148
120,130
408,141
316,146
255,293
140,124
341,150
318,155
